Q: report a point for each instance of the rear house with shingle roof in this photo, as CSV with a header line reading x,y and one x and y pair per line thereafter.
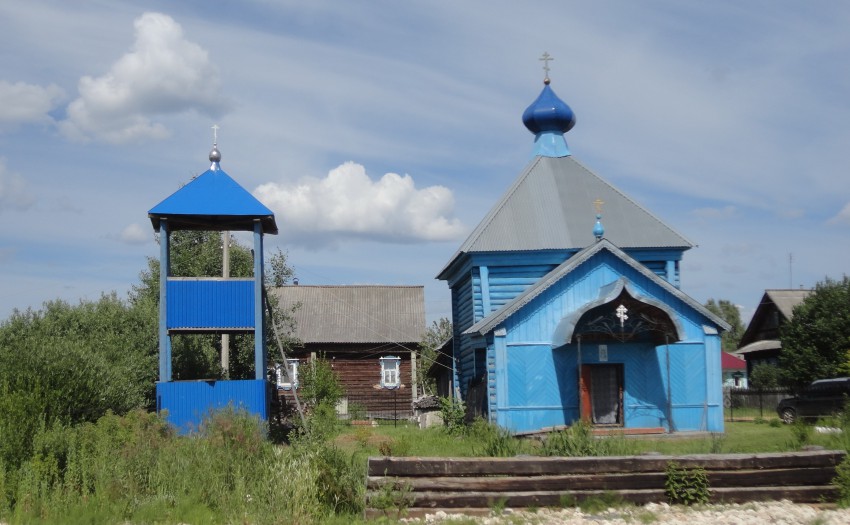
x,y
558,318
368,333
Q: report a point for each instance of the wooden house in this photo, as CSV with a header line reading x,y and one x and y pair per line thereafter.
x,y
558,317
368,334
760,343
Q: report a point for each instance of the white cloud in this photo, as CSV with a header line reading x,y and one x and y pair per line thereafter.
x,y
347,203
135,234
26,103
14,195
842,217
163,74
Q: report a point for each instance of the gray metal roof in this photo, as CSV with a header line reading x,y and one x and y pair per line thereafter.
x,y
356,314
758,346
551,206
494,319
786,300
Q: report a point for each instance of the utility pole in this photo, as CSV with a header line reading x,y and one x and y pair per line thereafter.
x,y
225,273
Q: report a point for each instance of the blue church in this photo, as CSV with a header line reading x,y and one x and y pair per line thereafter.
x,y
560,315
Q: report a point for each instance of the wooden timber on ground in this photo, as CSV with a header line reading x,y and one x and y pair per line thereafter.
x,y
461,484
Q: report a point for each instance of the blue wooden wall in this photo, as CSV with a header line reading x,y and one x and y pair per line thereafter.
x,y
533,378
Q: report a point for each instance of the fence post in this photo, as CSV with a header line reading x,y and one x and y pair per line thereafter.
x,y
761,403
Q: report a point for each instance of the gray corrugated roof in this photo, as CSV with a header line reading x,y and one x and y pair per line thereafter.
x,y
758,346
356,314
550,206
491,321
786,300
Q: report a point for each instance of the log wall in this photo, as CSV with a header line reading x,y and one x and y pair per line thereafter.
x,y
477,484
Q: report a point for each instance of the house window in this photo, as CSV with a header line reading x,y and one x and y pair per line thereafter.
x,y
390,372
284,382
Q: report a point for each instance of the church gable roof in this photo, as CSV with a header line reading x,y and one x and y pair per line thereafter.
x,y
550,207
494,319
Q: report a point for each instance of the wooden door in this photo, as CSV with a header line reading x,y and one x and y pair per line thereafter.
x,y
601,393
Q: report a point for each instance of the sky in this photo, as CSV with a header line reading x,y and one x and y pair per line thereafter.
x,y
380,133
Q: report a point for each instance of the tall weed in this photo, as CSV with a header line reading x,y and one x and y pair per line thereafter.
x,y
496,441
135,469
578,440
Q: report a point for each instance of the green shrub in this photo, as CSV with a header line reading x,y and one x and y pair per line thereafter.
x,y
686,486
392,498
496,442
842,480
453,411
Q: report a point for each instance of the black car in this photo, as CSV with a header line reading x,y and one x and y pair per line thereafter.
x,y
822,398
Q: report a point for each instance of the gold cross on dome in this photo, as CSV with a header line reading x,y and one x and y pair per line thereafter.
x,y
546,58
598,205
215,129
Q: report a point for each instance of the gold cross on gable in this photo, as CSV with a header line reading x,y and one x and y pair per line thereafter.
x,y
215,129
598,205
546,58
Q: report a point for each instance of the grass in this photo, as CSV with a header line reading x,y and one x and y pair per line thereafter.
x,y
740,437
132,469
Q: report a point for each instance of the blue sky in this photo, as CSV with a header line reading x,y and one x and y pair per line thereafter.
x,y
380,133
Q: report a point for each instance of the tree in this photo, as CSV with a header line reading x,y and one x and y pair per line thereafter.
x,y
764,377
67,364
438,333
816,341
727,311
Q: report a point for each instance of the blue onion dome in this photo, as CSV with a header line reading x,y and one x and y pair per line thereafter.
x,y
548,113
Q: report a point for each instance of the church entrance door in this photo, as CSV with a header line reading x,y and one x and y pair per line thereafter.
x,y
602,394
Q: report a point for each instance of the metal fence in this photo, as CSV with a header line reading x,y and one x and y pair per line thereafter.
x,y
382,407
742,404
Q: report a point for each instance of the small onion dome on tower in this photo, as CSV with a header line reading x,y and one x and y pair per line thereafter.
x,y
598,229
549,118
215,155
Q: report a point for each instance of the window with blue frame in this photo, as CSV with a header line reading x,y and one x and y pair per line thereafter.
x,y
390,372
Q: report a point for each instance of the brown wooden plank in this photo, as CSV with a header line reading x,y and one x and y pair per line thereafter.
x,y
489,499
641,480
772,477
537,466
523,499
644,480
797,494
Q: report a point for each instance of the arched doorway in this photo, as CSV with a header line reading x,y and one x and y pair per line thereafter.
x,y
620,322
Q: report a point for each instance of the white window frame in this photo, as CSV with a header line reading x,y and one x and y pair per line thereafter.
x,y
390,372
292,365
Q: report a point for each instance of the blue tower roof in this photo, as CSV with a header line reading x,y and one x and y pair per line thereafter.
x,y
213,201
549,118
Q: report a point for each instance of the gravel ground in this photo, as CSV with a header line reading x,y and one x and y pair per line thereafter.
x,y
779,512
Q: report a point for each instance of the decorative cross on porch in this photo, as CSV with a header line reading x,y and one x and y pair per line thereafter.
x,y
621,315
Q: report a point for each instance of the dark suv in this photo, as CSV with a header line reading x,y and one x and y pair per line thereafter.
x,y
822,398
